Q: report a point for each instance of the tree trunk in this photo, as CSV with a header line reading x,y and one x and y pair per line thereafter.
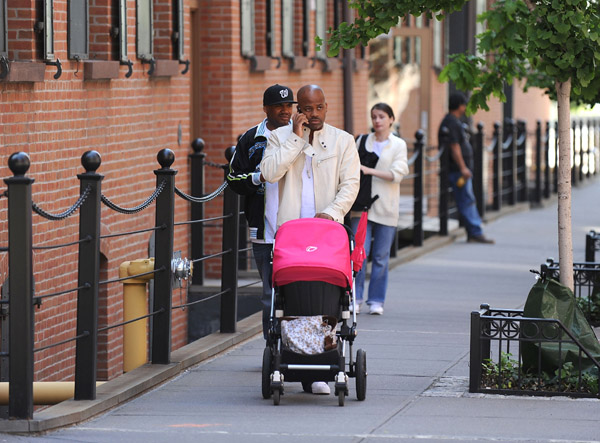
x,y
565,237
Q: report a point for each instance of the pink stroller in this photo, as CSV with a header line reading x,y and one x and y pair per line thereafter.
x,y
313,276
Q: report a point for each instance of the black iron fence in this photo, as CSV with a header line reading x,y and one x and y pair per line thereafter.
x,y
507,353
510,173
586,282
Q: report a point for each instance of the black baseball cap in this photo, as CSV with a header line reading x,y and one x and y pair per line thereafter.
x,y
277,94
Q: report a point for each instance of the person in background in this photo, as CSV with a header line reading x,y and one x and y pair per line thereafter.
x,y
384,163
316,167
262,199
461,167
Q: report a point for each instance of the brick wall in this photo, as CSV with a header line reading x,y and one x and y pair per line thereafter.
x,y
128,120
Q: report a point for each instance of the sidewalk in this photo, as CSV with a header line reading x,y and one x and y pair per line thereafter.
x,y
417,359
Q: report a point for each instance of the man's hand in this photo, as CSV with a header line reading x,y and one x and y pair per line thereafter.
x,y
298,121
466,172
323,215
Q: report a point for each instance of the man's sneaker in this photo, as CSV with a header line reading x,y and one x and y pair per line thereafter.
x,y
480,239
320,388
376,309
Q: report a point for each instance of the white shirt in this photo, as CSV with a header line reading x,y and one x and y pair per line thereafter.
x,y
307,209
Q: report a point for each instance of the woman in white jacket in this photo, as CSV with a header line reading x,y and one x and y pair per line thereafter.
x,y
384,159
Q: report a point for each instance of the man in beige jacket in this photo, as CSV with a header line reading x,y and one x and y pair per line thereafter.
x,y
317,166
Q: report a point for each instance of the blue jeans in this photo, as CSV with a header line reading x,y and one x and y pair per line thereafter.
x,y
262,256
383,237
467,206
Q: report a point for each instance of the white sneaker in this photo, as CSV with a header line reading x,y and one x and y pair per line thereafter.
x,y
376,309
357,308
320,388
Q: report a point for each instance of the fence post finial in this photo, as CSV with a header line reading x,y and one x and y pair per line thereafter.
x,y
19,163
91,160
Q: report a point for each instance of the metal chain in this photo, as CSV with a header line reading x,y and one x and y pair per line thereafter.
x,y
138,208
66,213
213,164
437,156
204,199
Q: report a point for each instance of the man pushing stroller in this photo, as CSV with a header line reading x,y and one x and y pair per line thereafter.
x,y
316,165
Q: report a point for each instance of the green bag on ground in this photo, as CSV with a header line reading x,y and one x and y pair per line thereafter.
x,y
550,299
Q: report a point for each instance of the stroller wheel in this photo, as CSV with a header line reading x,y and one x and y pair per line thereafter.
x,y
361,374
341,397
266,373
276,396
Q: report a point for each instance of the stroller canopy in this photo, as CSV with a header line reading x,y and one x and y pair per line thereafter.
x,y
312,249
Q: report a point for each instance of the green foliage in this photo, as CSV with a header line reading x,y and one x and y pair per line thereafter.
x,y
590,306
540,42
508,374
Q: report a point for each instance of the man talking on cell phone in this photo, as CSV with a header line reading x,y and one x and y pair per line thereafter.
x,y
317,168
317,165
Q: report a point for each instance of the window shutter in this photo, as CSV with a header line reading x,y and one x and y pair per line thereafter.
x,y
78,38
123,31
49,30
287,28
321,27
247,31
144,40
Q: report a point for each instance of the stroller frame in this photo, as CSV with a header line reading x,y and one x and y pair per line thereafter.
x,y
336,365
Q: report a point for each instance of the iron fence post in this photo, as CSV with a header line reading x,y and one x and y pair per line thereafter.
x,y
537,197
197,209
522,171
444,181
229,261
475,353
590,246
512,163
163,284
580,155
498,167
88,277
20,282
547,161
418,190
479,173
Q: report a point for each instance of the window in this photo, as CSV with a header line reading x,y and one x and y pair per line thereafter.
x,y
144,38
179,35
247,31
270,28
3,30
78,33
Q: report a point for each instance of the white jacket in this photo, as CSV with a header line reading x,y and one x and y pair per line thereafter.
x,y
393,158
335,168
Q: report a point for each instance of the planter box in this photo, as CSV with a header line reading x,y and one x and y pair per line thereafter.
x,y
498,338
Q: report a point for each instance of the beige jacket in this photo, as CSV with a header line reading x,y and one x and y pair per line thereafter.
x,y
393,158
335,167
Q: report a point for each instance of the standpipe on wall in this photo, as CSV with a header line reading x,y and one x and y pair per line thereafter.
x,y
135,304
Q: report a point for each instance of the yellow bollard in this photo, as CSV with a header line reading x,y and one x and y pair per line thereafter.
x,y
135,304
46,392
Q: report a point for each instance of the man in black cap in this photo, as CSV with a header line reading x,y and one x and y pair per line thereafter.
x,y
262,199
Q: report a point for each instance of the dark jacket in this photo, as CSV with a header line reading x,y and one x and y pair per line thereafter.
x,y
245,161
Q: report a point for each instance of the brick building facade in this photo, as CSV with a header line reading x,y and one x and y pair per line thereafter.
x,y
122,93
